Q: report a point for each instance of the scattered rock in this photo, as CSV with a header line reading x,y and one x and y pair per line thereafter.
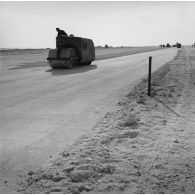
x,y
135,172
108,169
164,122
122,187
142,123
58,163
120,123
176,141
170,95
88,188
80,175
65,154
85,187
121,103
69,169
46,176
141,100
172,90
57,178
74,163
30,173
35,179
138,173
131,121
74,190
135,166
106,139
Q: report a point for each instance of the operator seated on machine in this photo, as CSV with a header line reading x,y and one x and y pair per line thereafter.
x,y
61,32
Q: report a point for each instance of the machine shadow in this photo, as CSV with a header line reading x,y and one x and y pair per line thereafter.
x,y
75,70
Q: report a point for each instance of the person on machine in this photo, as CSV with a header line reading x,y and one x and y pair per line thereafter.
x,y
61,32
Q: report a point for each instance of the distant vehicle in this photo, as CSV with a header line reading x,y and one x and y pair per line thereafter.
x,y
168,45
178,45
71,51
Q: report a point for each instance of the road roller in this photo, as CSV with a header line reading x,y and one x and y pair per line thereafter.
x,y
71,51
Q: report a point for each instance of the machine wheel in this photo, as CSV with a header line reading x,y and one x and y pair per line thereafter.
x,y
62,64
86,63
67,58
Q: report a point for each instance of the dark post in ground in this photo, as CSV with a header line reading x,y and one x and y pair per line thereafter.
x,y
149,76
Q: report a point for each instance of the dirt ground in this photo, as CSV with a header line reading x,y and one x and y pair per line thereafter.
x,y
147,145
103,53
42,110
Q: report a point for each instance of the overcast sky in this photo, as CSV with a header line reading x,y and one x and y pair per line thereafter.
x,y
33,24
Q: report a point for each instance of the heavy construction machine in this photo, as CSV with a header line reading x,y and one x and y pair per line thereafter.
x,y
71,51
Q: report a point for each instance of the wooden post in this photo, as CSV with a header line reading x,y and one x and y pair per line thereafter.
x,y
149,76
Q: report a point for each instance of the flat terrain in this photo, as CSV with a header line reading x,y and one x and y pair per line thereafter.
x,y
144,146
43,110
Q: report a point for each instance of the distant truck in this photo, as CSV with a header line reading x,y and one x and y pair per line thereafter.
x,y
71,51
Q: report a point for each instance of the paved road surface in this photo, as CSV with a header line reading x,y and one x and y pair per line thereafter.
x,y
43,110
